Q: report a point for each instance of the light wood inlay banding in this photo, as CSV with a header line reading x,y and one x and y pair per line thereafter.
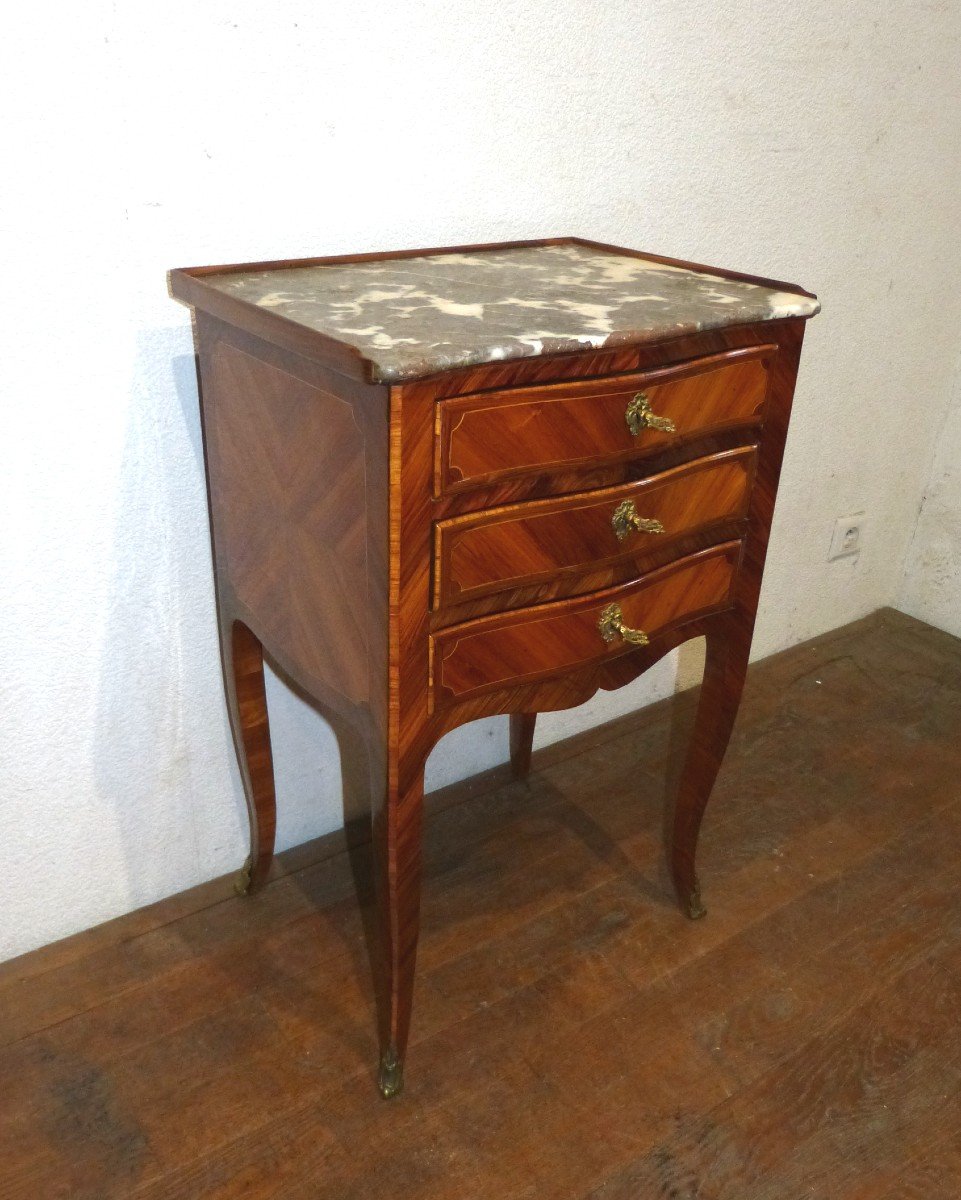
x,y
412,491
535,643
501,548
482,439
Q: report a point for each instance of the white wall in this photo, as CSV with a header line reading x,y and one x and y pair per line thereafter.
x,y
931,589
813,142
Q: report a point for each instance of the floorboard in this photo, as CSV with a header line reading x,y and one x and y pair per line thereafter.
x,y
573,1036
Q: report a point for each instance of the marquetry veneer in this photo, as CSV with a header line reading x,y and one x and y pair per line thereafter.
x,y
498,548
426,509
484,439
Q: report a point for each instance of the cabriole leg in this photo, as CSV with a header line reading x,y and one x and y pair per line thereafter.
x,y
728,647
243,661
397,866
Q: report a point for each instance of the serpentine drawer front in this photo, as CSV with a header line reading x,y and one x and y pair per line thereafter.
x,y
427,508
486,438
498,548
532,643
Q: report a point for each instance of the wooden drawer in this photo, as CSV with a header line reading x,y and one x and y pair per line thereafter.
x,y
530,644
486,437
501,548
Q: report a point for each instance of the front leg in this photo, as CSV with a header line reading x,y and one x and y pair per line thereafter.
x,y
397,874
728,647
243,663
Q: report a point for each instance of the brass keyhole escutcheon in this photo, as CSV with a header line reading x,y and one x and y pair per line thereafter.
x,y
639,416
611,624
625,521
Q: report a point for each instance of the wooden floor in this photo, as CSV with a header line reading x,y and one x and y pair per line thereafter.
x,y
574,1035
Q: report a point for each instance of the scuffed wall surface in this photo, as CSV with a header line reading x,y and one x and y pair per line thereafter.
x,y
932,576
811,142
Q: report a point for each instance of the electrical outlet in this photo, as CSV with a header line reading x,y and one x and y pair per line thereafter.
x,y
848,536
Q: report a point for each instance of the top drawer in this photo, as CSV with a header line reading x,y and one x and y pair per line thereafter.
x,y
484,438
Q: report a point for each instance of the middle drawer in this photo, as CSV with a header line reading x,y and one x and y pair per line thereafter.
x,y
501,548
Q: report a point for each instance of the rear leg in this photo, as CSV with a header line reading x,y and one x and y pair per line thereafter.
x,y
521,742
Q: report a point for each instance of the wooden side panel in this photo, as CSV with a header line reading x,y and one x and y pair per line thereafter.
x,y
524,646
482,439
523,544
288,476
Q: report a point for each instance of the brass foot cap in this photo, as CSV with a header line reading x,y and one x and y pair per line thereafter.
x,y
695,909
242,882
391,1078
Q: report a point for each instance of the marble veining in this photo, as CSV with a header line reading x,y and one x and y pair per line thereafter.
x,y
411,317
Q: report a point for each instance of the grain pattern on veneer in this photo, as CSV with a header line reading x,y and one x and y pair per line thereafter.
x,y
325,489
292,527
596,364
398,820
595,578
524,646
485,438
523,544
284,548
729,636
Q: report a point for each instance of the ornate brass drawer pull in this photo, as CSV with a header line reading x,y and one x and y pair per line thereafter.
x,y
625,521
611,624
639,416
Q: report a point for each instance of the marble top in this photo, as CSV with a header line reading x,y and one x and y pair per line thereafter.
x,y
411,317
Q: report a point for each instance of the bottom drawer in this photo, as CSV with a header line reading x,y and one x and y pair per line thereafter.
x,y
533,643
